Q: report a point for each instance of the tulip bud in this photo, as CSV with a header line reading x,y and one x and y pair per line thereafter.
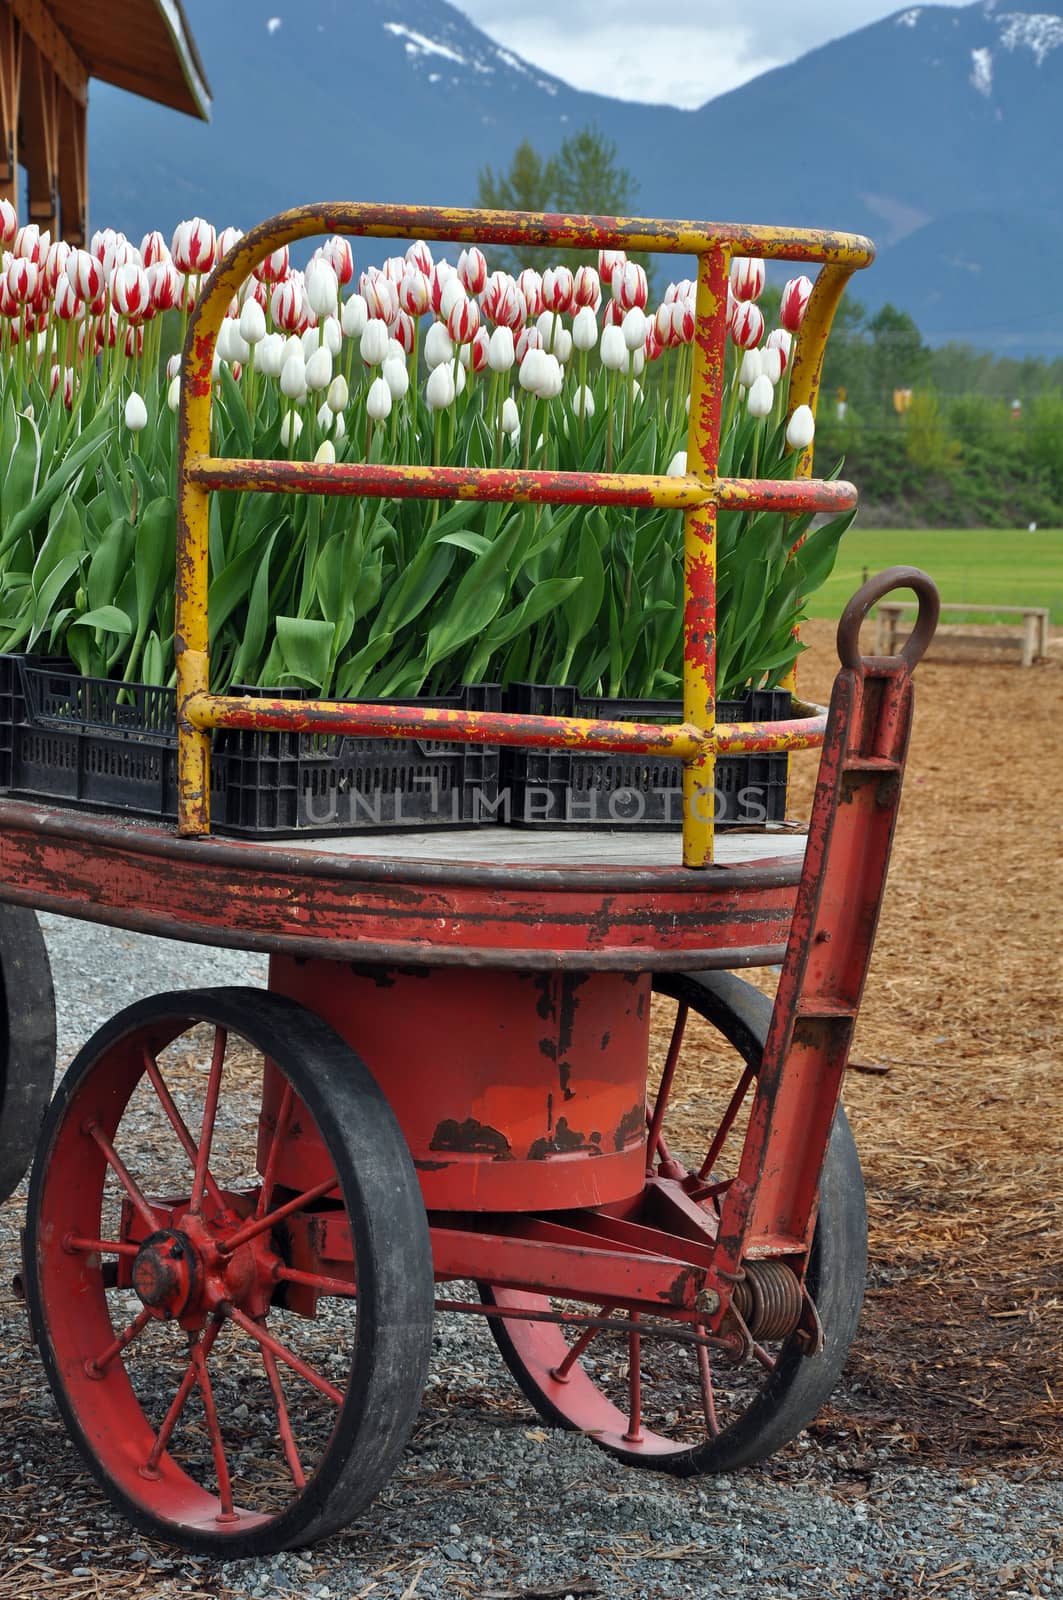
x,y
8,224
438,349
527,339
420,256
252,323
761,397
794,303
478,349
472,269
322,287
503,303
677,467
747,278
585,329
747,325
530,284
373,344
500,350
629,286
772,363
354,316
136,413
338,394
395,374
378,400
325,454
587,289
275,267
781,339
634,328
608,261
194,247
228,238
463,320
30,244
534,372
415,293
337,252
66,304
583,399
293,377
173,393
559,289
546,322
613,349
291,428
269,355
510,416
801,428
439,391
287,304
749,371
319,370
325,417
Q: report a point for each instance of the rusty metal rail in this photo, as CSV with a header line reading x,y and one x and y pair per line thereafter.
x,y
699,495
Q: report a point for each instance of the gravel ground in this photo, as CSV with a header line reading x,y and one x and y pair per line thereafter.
x,y
489,1503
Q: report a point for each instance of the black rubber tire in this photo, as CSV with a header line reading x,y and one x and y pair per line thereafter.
x,y
27,1042
389,1230
789,1397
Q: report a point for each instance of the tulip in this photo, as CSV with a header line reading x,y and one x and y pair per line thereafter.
x,y
420,256
21,277
166,286
587,289
381,296
530,284
472,269
634,328
608,261
613,349
677,467
173,367
228,239
354,317
780,339
502,302
330,334
378,400
559,289
683,290
325,417
322,287
534,371
153,249
749,371
439,391
801,428
463,320
629,286
275,267
8,224
325,454
224,342
438,348
319,370
396,375
30,244
269,355
338,394
252,323
291,428
293,377
653,349
500,354
438,279
451,294
286,304
415,293
546,322
194,247
136,413
527,339
394,269
510,416
585,329
747,325
131,292
173,393
772,363
562,347
583,399
794,303
338,253
59,254
66,303
373,344
747,278
761,397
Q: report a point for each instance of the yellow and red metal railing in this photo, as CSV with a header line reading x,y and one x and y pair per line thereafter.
x,y
700,495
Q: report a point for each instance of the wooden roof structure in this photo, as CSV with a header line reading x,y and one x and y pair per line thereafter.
x,y
49,51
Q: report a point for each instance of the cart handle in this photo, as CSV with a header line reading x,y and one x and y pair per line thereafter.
x,y
914,647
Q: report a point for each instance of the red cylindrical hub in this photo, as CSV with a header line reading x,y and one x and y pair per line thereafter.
x,y
516,1091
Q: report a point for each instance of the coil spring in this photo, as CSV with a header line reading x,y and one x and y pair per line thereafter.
x,y
768,1299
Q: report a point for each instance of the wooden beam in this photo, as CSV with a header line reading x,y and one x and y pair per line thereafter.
x,y
40,126
10,98
73,170
40,25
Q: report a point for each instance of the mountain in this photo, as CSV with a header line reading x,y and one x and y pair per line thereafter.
x,y
935,131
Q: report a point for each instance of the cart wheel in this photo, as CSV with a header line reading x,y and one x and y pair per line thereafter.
x,y
160,1279
695,1412
27,1041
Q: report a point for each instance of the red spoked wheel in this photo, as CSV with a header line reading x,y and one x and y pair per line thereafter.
x,y
232,1395
673,1403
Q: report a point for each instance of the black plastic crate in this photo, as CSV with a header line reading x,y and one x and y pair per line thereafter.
x,y
590,789
109,746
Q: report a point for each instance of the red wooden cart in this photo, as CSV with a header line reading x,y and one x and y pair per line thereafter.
x,y
244,1203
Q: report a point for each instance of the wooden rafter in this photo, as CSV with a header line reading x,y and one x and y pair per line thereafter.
x,y
39,24
10,96
40,124
73,168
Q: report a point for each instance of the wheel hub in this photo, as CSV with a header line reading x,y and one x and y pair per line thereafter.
x,y
186,1272
165,1273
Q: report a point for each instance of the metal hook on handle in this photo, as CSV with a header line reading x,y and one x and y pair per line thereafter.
x,y
925,590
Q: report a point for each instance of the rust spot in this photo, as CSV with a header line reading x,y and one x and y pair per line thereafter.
x,y
564,1141
684,1287
605,1042
432,1166
632,1126
565,1075
470,1138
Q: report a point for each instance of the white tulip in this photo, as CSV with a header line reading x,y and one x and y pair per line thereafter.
x,y
291,428
395,351
173,367
293,346
396,377
545,324
322,287
634,328
354,317
173,393
224,344
801,428
378,400
749,371
319,369
293,377
136,413
252,323
310,342
583,399
534,372
585,329
761,397
269,355
638,363
677,467
439,390
613,349
500,355
339,427
373,344
510,416
772,363
555,379
460,379
325,417
563,345
325,455
437,346
338,394
333,335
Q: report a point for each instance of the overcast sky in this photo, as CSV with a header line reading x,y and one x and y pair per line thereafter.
x,y
681,54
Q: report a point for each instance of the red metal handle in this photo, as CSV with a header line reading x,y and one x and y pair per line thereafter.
x,y
875,589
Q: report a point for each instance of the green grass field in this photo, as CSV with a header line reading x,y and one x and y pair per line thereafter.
x,y
981,565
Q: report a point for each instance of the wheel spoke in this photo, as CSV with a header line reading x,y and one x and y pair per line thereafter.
x,y
562,1370
726,1125
210,1112
98,1366
708,1397
150,1468
117,1166
114,1247
314,1280
665,1088
258,1225
217,1444
284,1426
284,1113
634,1383
289,1357
188,1144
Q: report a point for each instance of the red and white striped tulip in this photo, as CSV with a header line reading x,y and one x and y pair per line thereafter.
x,y
64,376
134,342
227,238
30,244
685,289
463,320
502,302
653,348
153,249
629,286
404,331
8,224
472,269
420,256
747,277
530,284
780,339
437,282
479,347
102,243
415,292
131,292
286,305
527,339
452,292
587,288
613,315
166,286
337,251
794,303
747,324
194,247
559,289
59,253
608,261
22,277
67,304
276,267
